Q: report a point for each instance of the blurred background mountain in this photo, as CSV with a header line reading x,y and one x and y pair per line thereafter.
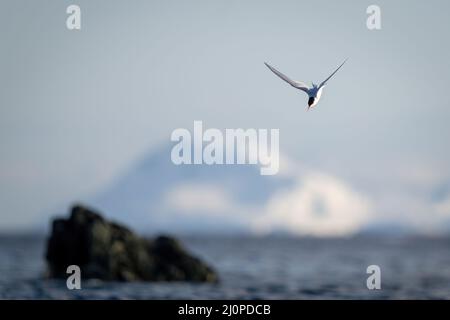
x,y
156,195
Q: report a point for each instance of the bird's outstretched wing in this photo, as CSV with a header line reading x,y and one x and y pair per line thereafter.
x,y
295,84
325,81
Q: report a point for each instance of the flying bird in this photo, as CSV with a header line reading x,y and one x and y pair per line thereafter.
x,y
314,92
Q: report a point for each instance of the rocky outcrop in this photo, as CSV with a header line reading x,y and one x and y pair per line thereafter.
x,y
111,252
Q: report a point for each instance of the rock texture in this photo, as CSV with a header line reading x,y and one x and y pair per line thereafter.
x,y
111,252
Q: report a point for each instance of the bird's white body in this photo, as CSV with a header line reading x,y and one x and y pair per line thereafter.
x,y
314,92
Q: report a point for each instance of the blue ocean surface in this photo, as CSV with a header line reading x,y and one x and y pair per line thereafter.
x,y
256,268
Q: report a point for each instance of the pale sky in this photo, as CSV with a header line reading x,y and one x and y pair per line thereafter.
x,y
78,108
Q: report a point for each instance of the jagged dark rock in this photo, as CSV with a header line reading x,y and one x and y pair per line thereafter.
x,y
111,252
